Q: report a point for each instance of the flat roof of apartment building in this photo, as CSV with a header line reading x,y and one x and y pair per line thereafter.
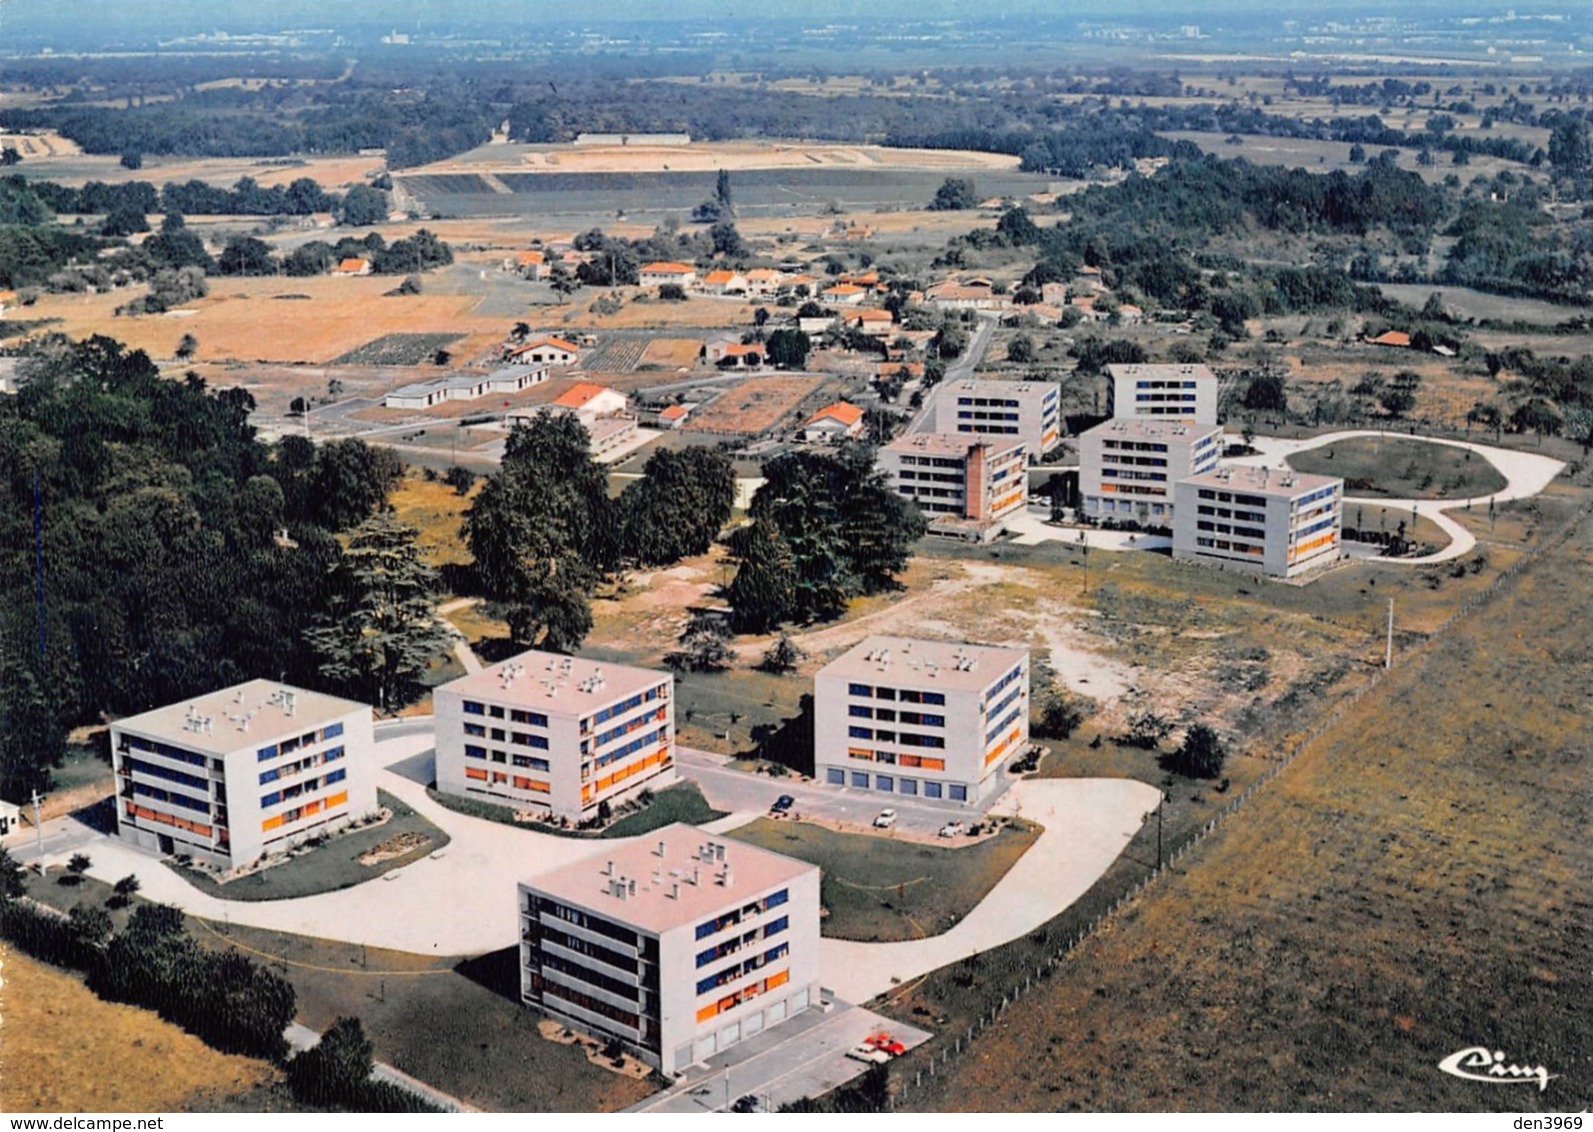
x,y
240,716
947,444
1161,371
1281,482
1149,428
997,387
934,665
555,684
674,876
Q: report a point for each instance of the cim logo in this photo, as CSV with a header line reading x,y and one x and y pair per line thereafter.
x,y
1478,1063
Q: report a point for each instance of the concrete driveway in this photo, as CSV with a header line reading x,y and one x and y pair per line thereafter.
x,y
461,901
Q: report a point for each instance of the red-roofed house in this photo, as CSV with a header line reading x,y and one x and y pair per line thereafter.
x,y
664,271
353,266
839,420
872,320
738,354
600,409
674,416
554,351
723,282
848,294
530,263
1397,339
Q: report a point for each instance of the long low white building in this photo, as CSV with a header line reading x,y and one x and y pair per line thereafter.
x,y
466,386
1278,523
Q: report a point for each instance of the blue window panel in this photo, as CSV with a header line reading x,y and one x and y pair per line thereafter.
x,y
705,930
775,899
860,732
931,789
860,778
935,698
959,793
269,776
472,752
333,754
909,786
473,708
706,957
775,927
271,799
859,690
835,776
332,731
884,782
336,776
859,711
265,753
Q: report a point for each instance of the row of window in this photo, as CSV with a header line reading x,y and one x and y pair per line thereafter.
x,y
139,766
584,920
625,728
197,805
905,738
193,758
990,735
626,705
617,987
891,715
582,946
651,739
288,746
890,784
330,755
515,715
746,967
927,762
289,792
1004,702
1243,499
730,946
729,919
904,695
586,1002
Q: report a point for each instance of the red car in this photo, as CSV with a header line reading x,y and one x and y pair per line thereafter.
x,y
885,1044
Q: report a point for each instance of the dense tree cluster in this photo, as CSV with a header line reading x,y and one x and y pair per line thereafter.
x,y
161,570
825,529
544,530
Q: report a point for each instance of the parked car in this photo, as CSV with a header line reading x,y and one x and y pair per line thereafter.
x,y
782,804
748,1103
952,829
886,819
886,1044
867,1053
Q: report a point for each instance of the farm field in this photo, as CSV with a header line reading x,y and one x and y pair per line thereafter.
x,y
707,157
877,889
1323,952
59,159
1463,302
1326,156
671,353
66,1050
1402,469
756,404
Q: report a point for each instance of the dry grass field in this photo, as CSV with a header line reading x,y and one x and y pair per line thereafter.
x,y
756,404
1417,883
671,353
709,156
435,510
62,1049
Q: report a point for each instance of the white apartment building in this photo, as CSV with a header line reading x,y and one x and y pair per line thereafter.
x,y
1279,523
1030,411
678,944
233,775
1128,466
920,719
556,734
963,485
1162,392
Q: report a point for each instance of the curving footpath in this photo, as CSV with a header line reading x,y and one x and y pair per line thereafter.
x,y
460,901
1525,473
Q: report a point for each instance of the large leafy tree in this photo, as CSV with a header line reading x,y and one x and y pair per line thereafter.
x,y
679,505
840,532
543,531
382,630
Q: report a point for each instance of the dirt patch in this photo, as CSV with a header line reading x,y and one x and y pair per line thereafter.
x,y
394,847
625,1065
755,405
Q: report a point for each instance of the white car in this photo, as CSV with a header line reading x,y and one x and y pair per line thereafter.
x,y
867,1053
886,819
952,829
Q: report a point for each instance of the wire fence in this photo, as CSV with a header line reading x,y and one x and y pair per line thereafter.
x,y
903,1087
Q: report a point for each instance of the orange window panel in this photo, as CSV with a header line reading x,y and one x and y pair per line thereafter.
x,y
271,823
337,799
708,1012
778,979
473,772
859,753
932,764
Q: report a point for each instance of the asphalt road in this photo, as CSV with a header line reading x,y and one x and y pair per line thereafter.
x,y
742,793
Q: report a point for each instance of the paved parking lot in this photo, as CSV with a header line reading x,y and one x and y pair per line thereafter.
x,y
805,1057
743,793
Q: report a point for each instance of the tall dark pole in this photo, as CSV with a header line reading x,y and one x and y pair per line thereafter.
x,y
38,553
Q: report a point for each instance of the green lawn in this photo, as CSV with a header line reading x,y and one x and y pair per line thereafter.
x,y
877,888
1402,468
682,802
331,866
